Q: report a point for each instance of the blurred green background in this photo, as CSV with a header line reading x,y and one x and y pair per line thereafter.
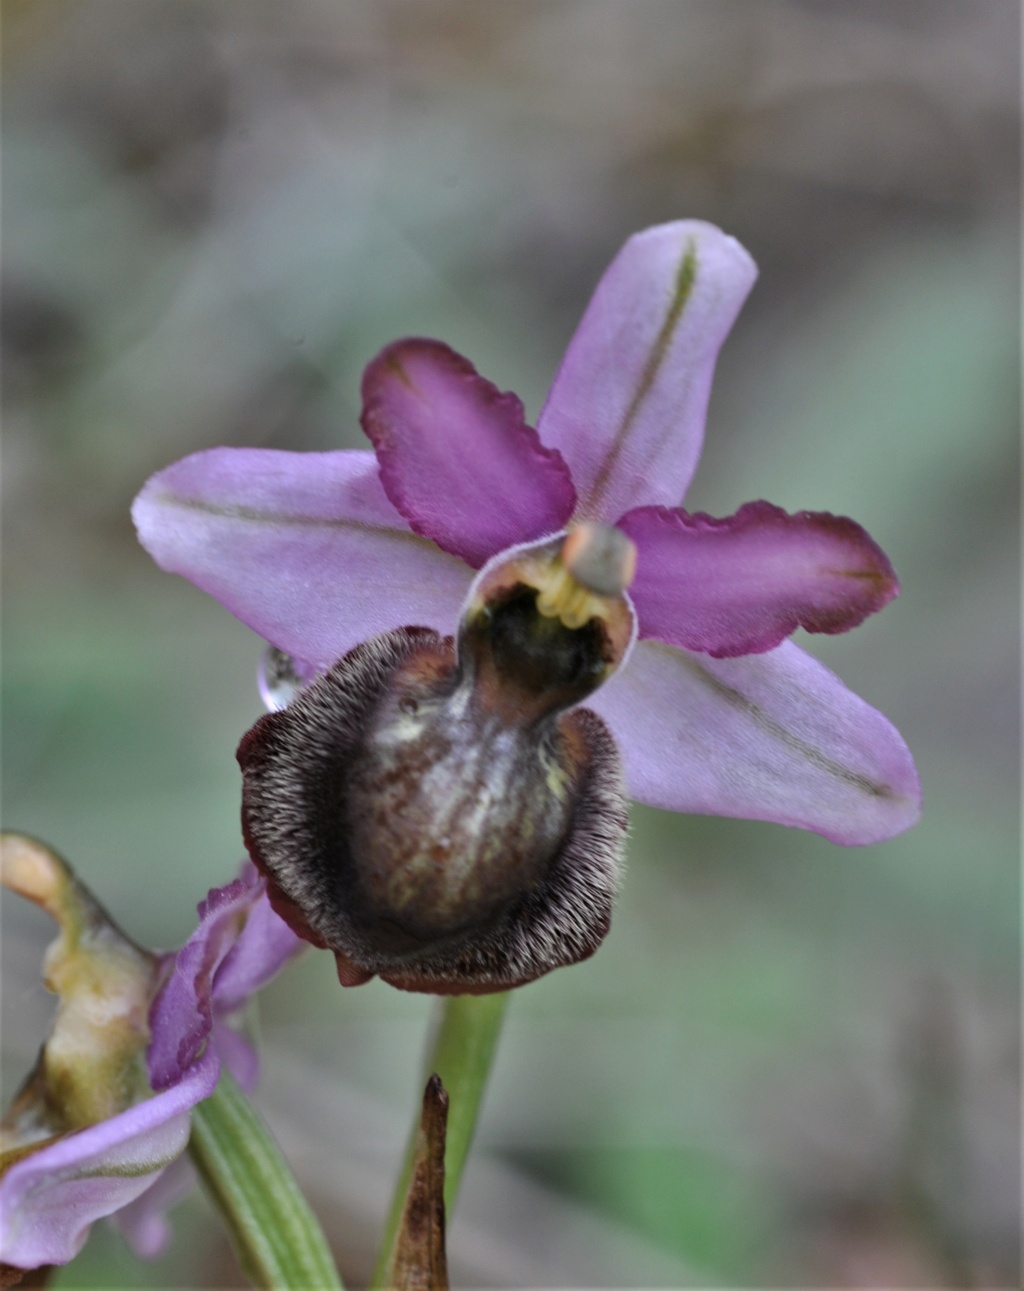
x,y
789,1064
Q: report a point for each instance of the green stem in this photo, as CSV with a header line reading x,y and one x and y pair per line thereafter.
x,y
461,1054
276,1236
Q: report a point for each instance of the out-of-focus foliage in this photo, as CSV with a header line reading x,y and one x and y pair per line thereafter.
x,y
789,1063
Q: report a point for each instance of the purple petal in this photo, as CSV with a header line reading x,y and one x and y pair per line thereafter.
x,y
143,1222
743,584
456,457
266,944
182,1016
49,1200
772,736
237,1054
305,548
627,407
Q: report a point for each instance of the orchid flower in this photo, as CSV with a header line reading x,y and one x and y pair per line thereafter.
x,y
99,1127
461,502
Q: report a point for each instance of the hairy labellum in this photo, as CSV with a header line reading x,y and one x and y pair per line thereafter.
x,y
424,839
444,817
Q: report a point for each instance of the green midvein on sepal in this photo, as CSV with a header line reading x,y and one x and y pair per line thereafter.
x,y
276,1236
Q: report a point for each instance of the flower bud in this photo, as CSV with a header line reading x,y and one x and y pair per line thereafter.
x,y
443,816
93,1064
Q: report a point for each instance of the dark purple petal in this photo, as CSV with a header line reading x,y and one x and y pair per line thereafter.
x,y
456,457
741,585
772,736
237,1055
182,1016
265,945
49,1199
627,407
305,548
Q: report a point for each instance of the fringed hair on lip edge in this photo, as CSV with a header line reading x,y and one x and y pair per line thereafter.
x,y
420,839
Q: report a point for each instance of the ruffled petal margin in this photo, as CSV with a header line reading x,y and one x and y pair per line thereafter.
x,y
239,945
773,736
628,405
304,548
264,946
457,458
741,585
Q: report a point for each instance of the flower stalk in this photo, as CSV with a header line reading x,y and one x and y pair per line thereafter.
x,y
276,1236
462,1053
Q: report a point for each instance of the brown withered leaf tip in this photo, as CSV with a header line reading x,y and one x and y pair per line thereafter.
x,y
418,1261
24,1278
